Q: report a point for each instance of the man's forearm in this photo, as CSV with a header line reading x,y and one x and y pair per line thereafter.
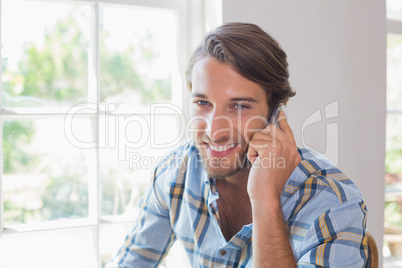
x,y
271,247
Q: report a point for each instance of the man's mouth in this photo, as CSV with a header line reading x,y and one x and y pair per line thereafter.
x,y
217,148
220,150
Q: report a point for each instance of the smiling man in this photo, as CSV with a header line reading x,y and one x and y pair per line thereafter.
x,y
241,194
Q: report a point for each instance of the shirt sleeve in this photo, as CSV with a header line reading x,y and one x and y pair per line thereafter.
x,y
337,238
151,236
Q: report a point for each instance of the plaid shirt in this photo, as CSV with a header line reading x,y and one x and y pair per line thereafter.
x,y
324,213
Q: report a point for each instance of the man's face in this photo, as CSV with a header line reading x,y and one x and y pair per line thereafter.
x,y
227,110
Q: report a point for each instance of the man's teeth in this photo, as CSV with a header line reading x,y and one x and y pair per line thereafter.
x,y
221,148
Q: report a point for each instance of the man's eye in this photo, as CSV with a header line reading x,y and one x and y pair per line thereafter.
x,y
240,106
201,102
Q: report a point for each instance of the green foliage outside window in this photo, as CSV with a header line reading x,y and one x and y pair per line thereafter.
x,y
17,135
56,73
393,159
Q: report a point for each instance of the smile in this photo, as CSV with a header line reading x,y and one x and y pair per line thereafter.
x,y
221,148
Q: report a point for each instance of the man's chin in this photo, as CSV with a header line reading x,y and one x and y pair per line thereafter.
x,y
217,171
220,175
222,167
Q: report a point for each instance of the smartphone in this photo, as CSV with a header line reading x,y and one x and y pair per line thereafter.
x,y
275,116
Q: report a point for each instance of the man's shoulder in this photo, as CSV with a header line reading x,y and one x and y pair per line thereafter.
x,y
317,187
177,160
317,173
315,159
314,163
170,175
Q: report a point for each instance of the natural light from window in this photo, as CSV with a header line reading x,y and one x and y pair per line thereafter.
x,y
392,250
79,138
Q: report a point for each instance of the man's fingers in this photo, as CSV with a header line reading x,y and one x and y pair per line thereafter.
x,y
271,132
253,148
283,124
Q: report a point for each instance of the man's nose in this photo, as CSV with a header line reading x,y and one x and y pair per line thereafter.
x,y
219,126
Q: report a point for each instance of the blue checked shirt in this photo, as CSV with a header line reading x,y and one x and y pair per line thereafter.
x,y
324,213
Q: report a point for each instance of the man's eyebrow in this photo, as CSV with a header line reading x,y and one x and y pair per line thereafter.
x,y
193,95
244,99
249,99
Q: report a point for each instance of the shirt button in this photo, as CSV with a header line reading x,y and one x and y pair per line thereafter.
x,y
222,252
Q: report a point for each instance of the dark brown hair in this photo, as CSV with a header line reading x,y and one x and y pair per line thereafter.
x,y
252,53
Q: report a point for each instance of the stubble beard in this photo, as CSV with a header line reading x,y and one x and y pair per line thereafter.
x,y
221,168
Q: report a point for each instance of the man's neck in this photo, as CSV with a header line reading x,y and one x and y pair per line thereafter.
x,y
234,203
236,184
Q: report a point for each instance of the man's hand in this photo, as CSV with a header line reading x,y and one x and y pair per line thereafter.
x,y
274,156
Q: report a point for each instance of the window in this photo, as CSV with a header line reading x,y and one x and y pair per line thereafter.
x,y
91,99
393,179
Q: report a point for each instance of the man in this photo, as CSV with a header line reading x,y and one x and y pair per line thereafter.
x,y
256,200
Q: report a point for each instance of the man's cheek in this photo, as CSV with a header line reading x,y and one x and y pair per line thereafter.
x,y
196,127
249,132
252,125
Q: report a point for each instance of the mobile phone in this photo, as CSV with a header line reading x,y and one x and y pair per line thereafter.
x,y
275,116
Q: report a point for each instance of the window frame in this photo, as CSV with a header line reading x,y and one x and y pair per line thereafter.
x,y
192,24
394,26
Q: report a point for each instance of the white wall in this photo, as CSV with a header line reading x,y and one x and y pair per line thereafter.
x,y
336,51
